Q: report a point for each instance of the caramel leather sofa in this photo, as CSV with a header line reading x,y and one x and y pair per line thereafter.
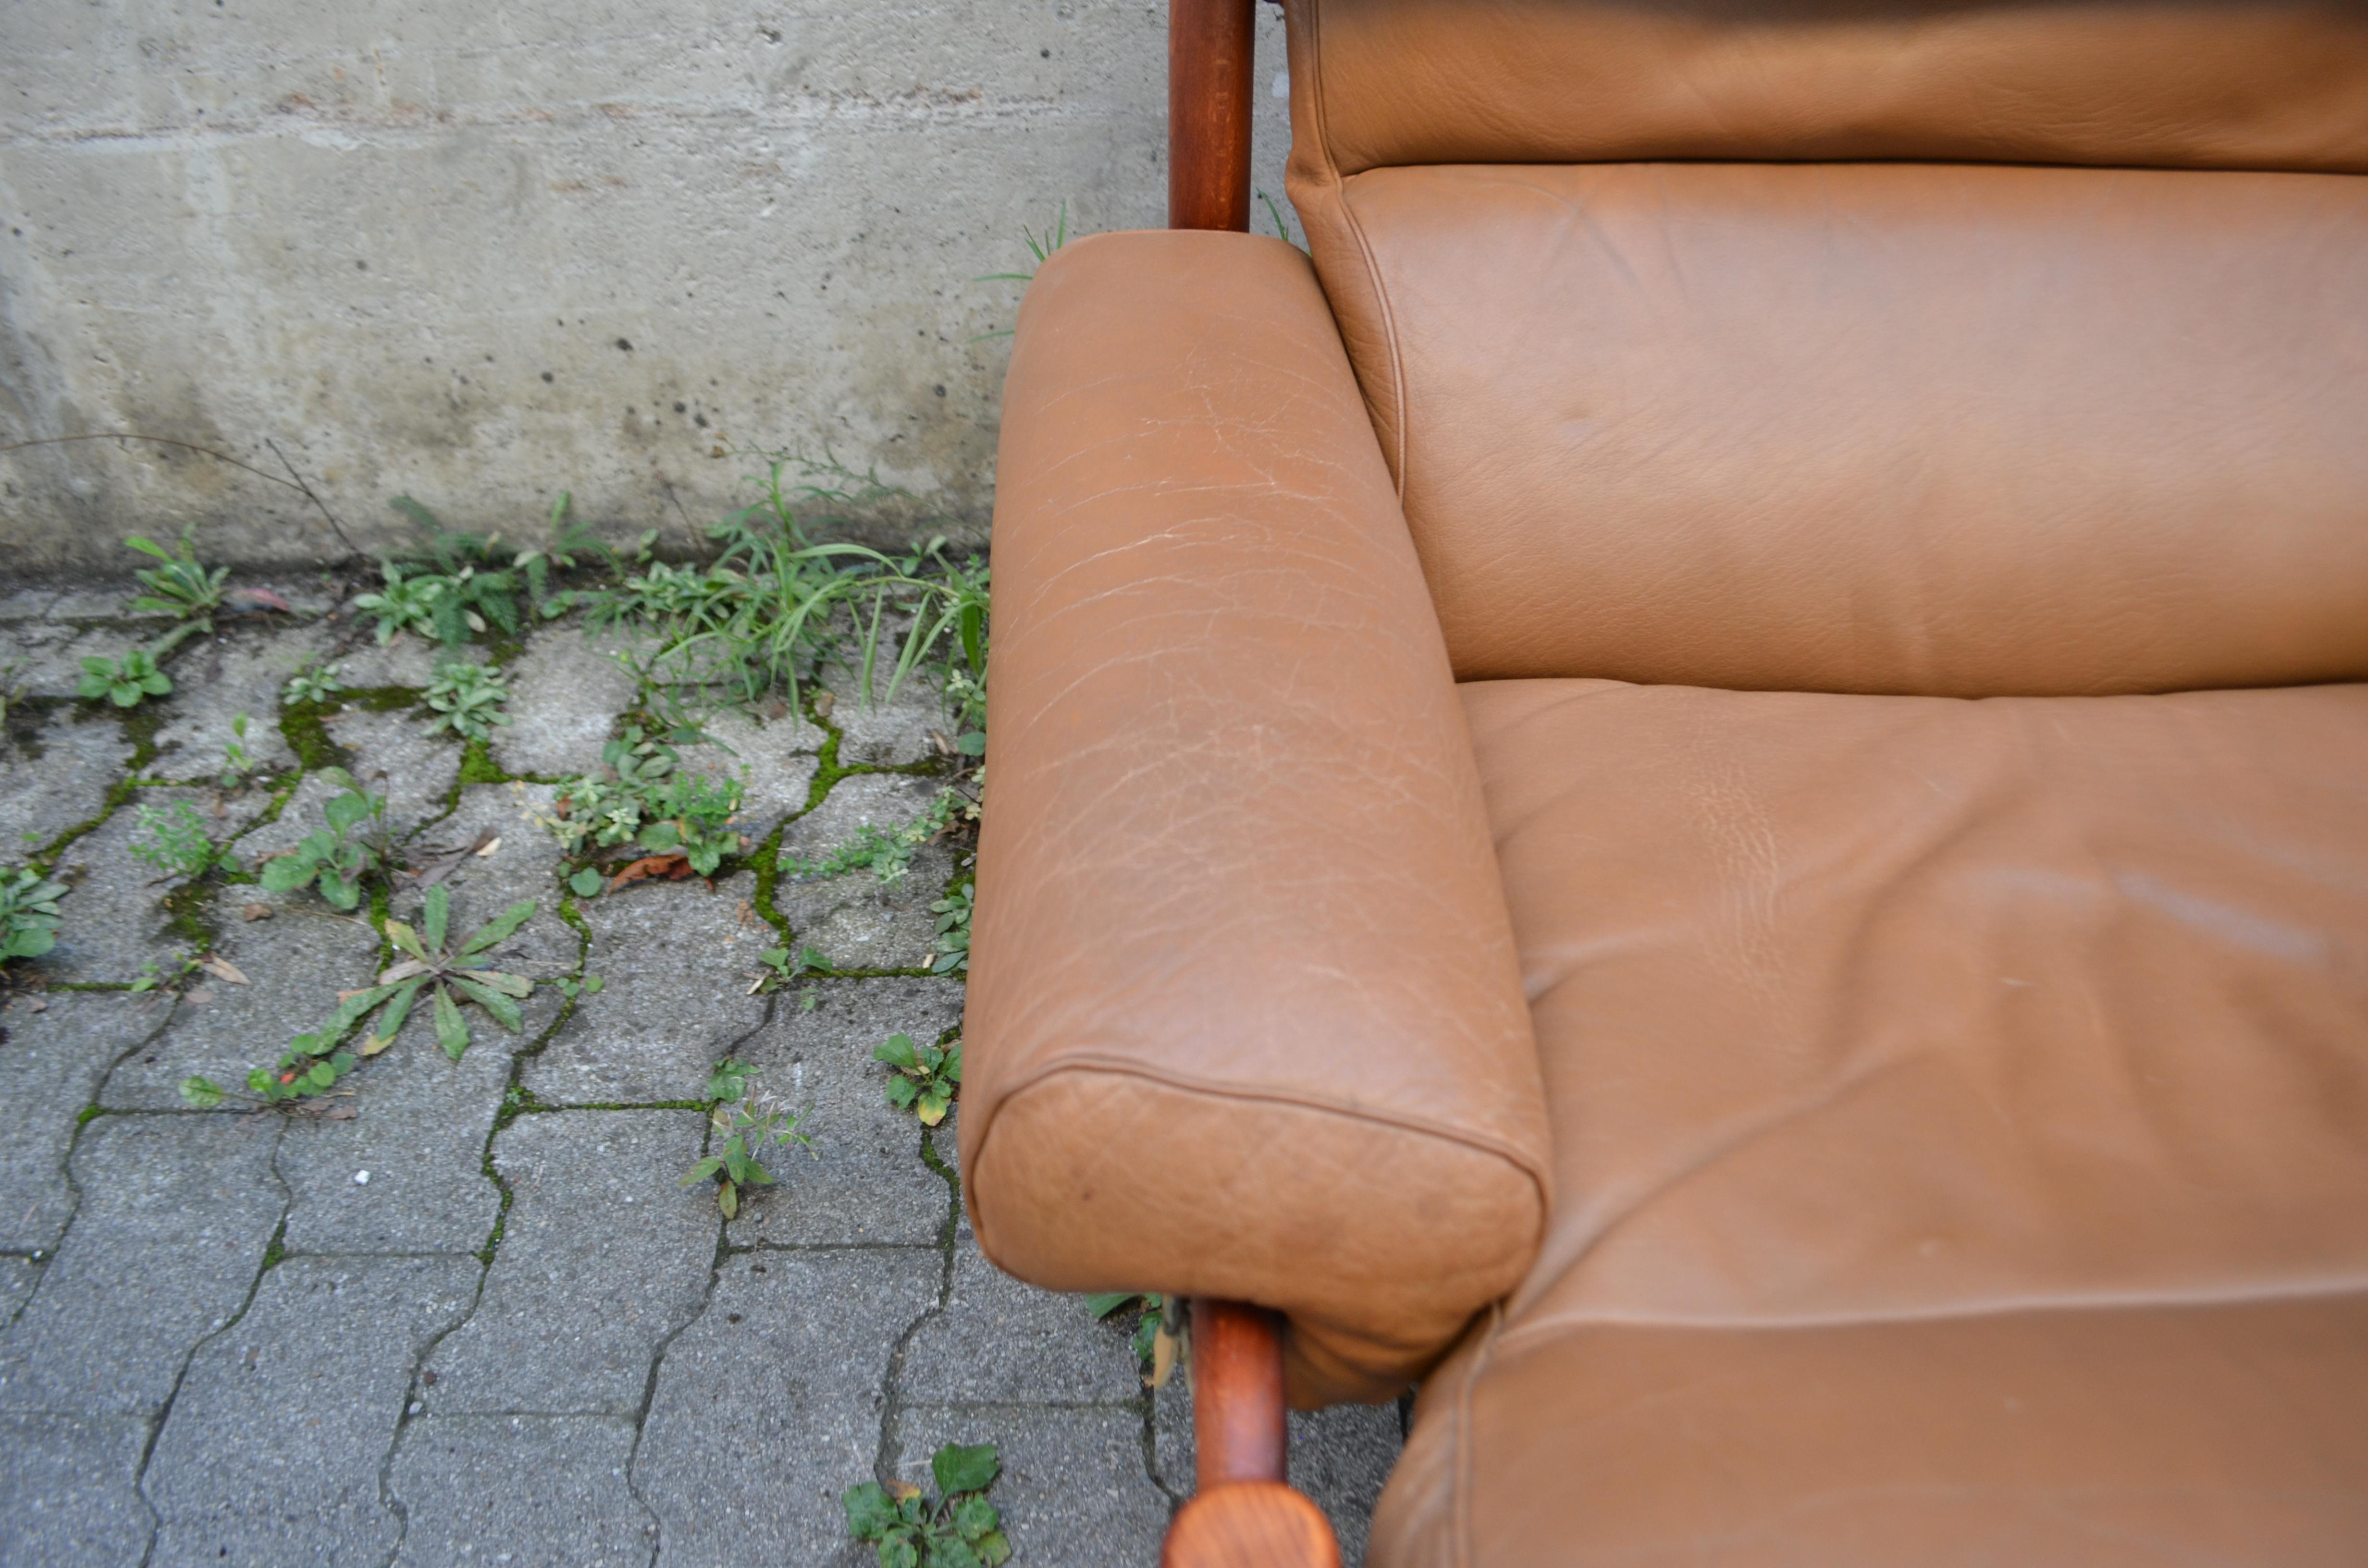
x,y
1708,788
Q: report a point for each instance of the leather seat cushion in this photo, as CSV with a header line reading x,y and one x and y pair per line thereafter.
x,y
1909,1055
1962,431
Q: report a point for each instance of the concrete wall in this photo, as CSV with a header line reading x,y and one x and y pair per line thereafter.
x,y
482,251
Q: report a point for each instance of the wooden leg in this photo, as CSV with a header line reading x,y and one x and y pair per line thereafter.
x,y
1245,1517
1210,46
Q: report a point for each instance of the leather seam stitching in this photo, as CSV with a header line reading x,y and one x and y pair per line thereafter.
x,y
1398,412
1473,1142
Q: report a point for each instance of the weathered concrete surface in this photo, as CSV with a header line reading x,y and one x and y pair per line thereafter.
x,y
482,254
313,1381
321,1367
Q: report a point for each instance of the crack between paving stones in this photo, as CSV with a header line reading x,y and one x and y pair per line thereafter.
x,y
893,1404
89,1114
164,1412
505,1111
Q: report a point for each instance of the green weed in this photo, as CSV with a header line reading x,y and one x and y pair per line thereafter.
x,y
786,967
180,587
29,914
645,800
175,844
238,763
332,856
950,951
957,1529
753,1127
124,681
1105,1303
925,1078
319,686
886,853
467,699
776,605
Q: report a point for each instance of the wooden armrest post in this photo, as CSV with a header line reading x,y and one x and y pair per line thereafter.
x,y
1210,44
1245,1516
1238,1431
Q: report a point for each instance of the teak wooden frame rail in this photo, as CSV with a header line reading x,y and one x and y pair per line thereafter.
x,y
1245,1516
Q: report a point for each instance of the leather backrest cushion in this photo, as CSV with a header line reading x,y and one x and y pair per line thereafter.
x,y
1960,430
2195,84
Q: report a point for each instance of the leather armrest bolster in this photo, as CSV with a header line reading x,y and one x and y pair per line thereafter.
x,y
1244,1017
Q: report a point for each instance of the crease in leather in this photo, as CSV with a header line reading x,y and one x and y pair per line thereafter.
x,y
1076,1060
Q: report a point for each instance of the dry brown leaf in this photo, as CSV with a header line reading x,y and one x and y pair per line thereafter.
x,y
256,912
487,848
222,969
674,867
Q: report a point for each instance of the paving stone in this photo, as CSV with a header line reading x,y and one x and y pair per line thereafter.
x,y
174,1215
312,1384
394,755
115,919
48,656
1340,1457
769,1406
18,1276
1073,1489
522,1491
566,691
772,758
886,733
420,1132
877,800
215,679
866,1181
675,962
295,963
28,604
863,922
364,662
51,1064
602,1258
79,760
1000,1341
67,1492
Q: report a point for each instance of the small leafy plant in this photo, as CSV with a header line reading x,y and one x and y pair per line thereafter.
x,y
336,861
319,686
124,681
647,801
463,970
405,603
752,1125
153,978
926,1077
786,967
467,699
180,587
175,844
958,1529
314,1063
885,852
952,945
238,763
1105,1303
29,914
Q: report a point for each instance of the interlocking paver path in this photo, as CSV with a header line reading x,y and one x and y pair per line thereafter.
x,y
516,1339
